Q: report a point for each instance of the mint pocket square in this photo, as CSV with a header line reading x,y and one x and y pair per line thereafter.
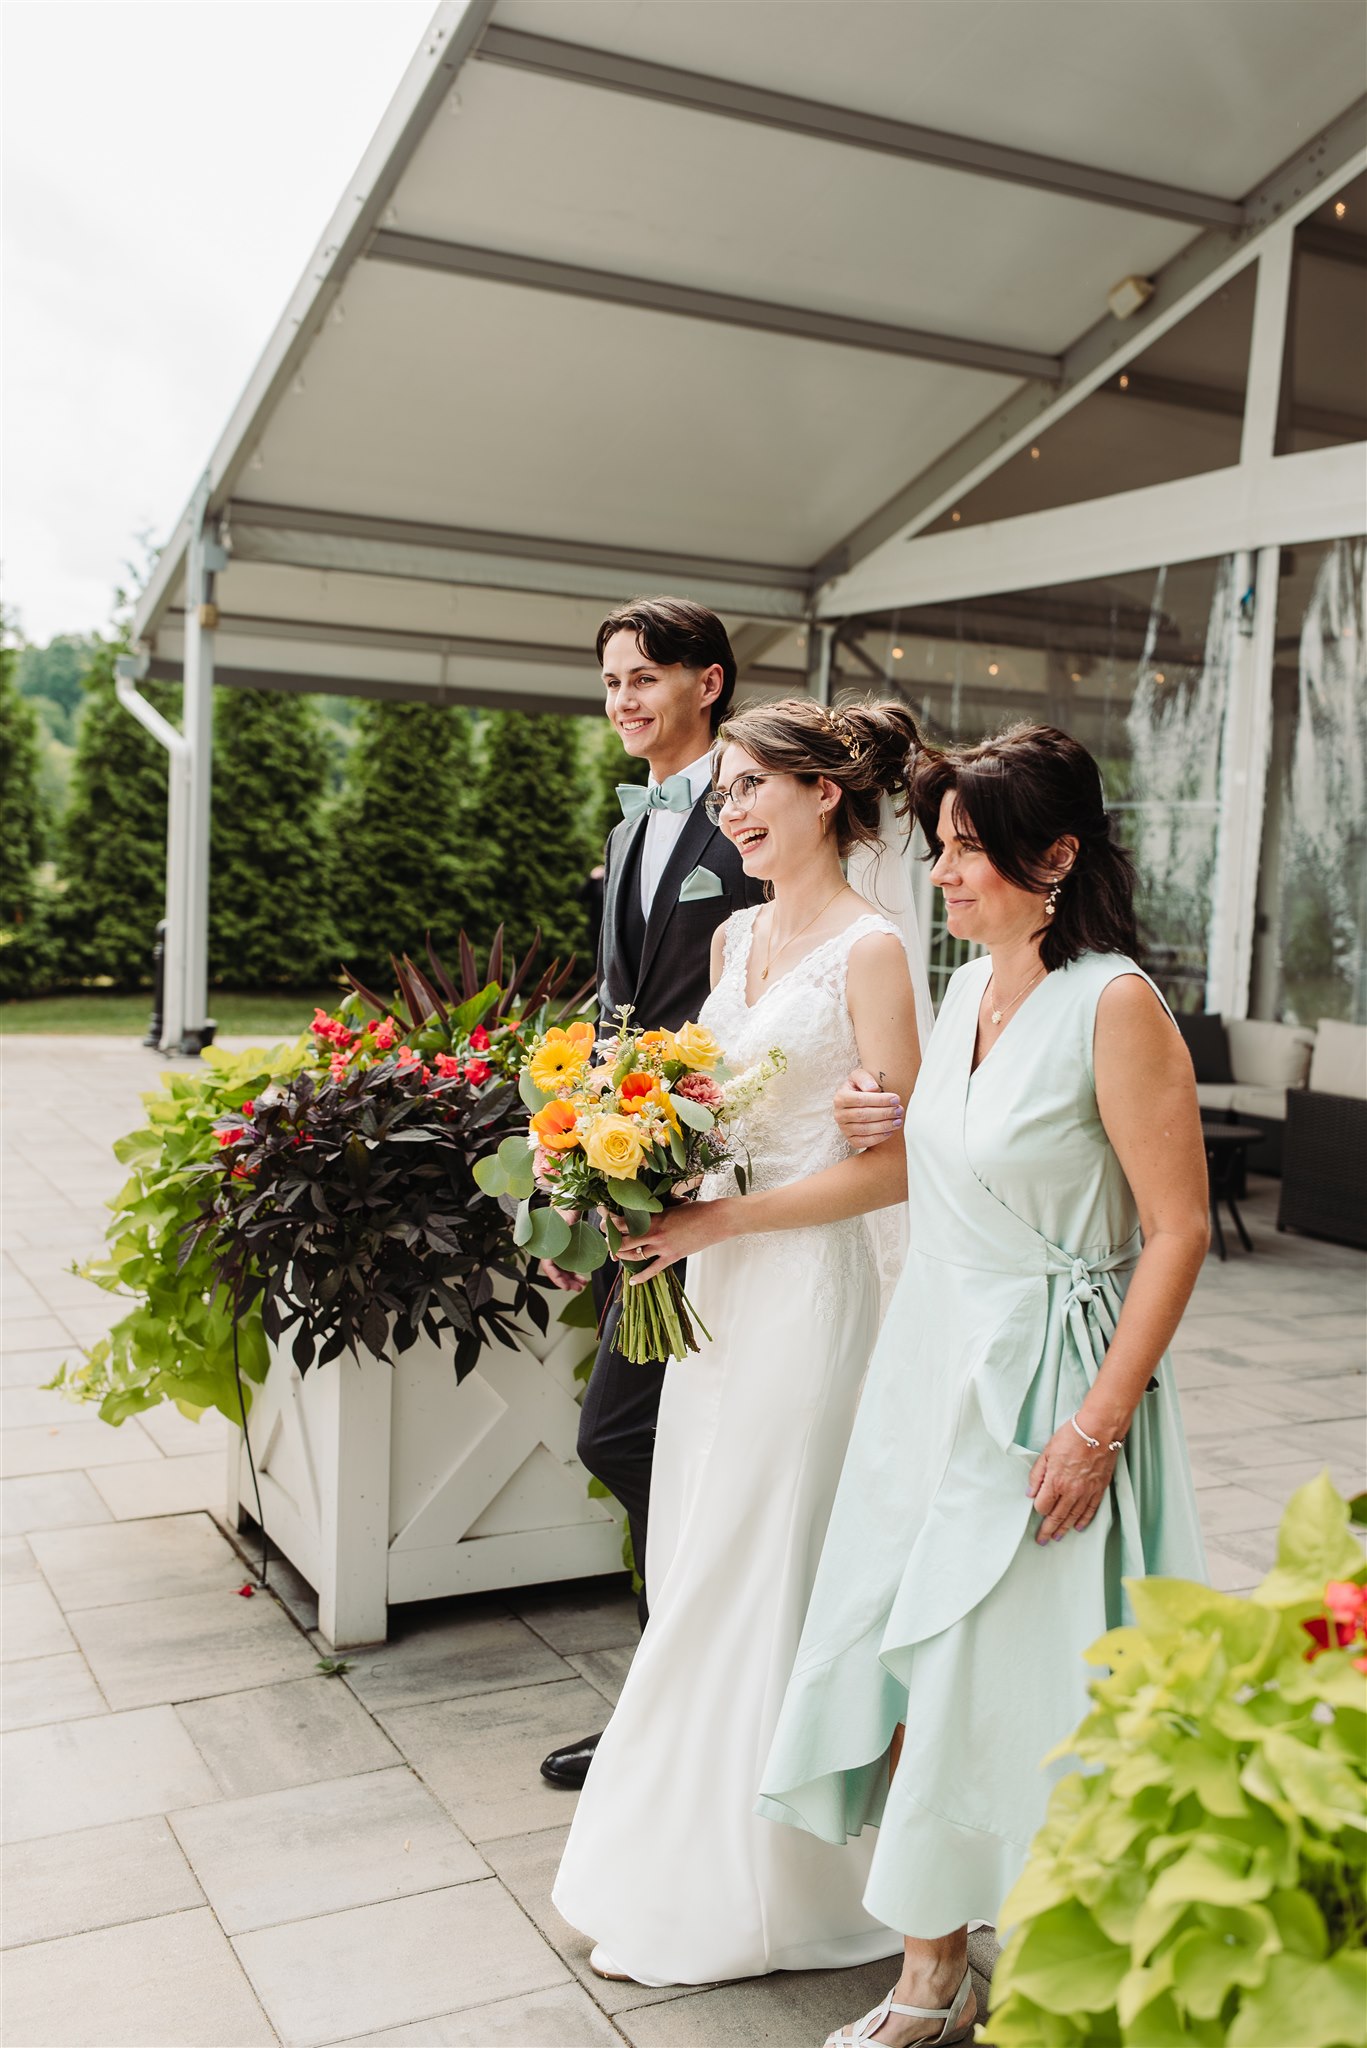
x,y
701,884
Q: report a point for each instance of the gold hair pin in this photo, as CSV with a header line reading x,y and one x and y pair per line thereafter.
x,y
840,726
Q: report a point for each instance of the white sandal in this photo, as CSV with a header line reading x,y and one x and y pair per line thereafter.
x,y
865,2029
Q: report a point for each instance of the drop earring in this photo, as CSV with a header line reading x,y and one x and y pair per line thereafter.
x,y
1051,899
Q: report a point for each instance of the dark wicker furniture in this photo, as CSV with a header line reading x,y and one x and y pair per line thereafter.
x,y
1226,1150
1324,1166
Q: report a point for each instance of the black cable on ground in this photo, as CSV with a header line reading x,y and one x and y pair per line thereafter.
x,y
246,1438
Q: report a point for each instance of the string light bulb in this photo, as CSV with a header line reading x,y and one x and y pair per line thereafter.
x,y
1076,676
954,518
897,653
1159,676
1124,380
1340,208
1034,454
992,668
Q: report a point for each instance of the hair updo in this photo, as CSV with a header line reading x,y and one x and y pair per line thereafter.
x,y
1017,795
866,748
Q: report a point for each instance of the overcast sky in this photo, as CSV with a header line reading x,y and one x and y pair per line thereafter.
x,y
168,168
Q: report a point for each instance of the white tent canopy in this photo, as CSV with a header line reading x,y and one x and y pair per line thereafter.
x,y
729,300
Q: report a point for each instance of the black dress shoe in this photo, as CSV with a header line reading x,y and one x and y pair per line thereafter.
x,y
569,1767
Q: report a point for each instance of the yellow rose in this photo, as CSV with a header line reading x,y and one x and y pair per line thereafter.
x,y
614,1147
696,1047
560,1058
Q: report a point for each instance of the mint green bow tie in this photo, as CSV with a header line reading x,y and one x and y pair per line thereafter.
x,y
675,793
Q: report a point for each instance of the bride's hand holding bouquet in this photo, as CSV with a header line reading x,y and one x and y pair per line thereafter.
x,y
630,1126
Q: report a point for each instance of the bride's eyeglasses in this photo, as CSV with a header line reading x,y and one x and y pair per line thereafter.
x,y
740,796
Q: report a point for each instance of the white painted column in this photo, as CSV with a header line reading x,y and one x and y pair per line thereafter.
x,y
353,1480
205,557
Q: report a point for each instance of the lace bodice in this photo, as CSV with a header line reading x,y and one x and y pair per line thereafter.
x,y
789,1130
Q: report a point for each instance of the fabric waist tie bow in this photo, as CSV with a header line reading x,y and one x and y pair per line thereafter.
x,y
675,793
1093,1301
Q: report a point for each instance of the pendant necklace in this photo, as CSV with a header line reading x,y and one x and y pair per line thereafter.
x,y
997,1015
769,950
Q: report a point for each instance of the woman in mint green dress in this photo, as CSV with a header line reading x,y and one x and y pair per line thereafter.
x,y
1018,1451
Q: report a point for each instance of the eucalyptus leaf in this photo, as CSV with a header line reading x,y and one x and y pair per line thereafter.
x,y
549,1234
695,1114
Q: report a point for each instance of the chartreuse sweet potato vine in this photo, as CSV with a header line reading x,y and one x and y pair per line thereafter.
x,y
176,1341
1201,1878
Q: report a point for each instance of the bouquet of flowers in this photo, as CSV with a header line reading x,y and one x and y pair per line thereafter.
x,y
625,1125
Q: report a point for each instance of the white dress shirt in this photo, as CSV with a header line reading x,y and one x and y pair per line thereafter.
x,y
662,830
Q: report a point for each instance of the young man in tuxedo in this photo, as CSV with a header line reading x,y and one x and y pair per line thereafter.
x,y
671,878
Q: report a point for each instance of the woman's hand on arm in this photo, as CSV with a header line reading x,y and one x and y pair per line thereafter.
x,y
1146,1097
680,1232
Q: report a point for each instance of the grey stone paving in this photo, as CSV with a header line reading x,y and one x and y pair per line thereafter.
x,y
208,1842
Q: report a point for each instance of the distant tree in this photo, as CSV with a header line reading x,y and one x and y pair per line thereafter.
x,y
112,858
23,909
400,860
533,832
55,672
270,915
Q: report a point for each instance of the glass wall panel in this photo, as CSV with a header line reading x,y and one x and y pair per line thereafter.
x,y
1310,958
1137,668
1324,371
1176,410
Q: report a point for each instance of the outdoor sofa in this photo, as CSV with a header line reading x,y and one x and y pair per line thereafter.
x,y
1247,1070
1324,1146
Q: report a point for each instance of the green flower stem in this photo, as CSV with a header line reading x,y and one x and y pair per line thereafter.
x,y
657,1319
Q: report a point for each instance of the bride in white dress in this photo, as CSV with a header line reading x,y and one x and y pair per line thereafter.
x,y
668,1869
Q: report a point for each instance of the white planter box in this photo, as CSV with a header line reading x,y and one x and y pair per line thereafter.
x,y
390,1483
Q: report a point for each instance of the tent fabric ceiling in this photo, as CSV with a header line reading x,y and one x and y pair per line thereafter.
x,y
455,471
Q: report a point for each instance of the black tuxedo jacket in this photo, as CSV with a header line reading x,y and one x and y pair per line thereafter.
x,y
661,964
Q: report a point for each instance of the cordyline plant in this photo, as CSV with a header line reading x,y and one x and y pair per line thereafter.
x,y
1201,1879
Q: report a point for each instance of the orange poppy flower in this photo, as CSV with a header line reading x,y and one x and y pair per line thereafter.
x,y
556,1126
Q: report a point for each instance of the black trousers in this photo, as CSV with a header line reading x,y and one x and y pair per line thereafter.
x,y
617,1423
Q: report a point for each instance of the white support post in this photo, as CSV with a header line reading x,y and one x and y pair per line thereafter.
x,y
1267,346
204,559
128,668
1245,750
819,639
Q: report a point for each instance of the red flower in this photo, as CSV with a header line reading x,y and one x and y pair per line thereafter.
x,y
246,1592
337,1066
243,1172
477,1071
228,1137
386,1031
249,1107
447,1067
1346,1616
479,1038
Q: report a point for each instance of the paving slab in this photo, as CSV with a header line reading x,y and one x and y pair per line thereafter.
x,y
1224,1507
605,1670
110,1567
43,1689
482,1757
164,1486
387,1965
320,1848
56,1500
31,1623
477,1649
181,1436
97,1877
86,1774
37,1408
787,2010
563,2017
527,1864
172,1982
18,1566
32,1368
189,1646
69,1447
35,1333
590,1615
274,1736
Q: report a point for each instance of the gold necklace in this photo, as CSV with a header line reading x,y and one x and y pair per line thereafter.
x,y
997,1015
769,949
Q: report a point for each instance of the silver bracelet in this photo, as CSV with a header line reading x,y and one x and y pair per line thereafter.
x,y
1094,1442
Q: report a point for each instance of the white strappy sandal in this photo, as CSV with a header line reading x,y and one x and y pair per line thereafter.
x,y
865,2029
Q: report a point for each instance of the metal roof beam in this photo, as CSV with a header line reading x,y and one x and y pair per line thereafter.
x,y
1323,164
969,153
805,323
300,537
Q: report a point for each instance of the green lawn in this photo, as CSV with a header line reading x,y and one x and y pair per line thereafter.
x,y
267,1011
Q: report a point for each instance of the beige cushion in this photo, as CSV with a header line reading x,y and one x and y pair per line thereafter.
x,y
1265,1055
1215,1094
1340,1063
1265,1102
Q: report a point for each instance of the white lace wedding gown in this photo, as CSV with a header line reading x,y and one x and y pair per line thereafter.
x,y
667,1864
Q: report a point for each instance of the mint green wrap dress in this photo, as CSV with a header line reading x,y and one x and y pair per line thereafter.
x,y
933,1604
